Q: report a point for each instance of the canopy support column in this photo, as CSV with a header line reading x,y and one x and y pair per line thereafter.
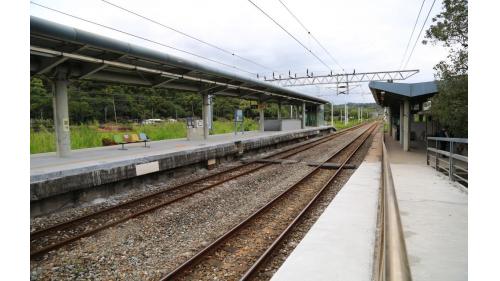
x,y
331,113
346,114
401,128
205,113
261,116
303,123
406,125
320,115
61,115
389,120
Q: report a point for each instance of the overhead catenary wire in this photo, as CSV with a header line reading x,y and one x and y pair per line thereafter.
x,y
145,39
420,33
310,34
411,35
189,36
289,34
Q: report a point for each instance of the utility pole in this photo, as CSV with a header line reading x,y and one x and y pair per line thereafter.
x,y
331,120
346,110
105,114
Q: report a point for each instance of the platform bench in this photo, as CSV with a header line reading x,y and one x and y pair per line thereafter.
x,y
132,138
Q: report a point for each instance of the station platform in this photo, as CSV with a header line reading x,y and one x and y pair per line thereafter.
x,y
85,168
433,213
341,244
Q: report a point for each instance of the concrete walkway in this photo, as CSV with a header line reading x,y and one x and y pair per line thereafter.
x,y
434,216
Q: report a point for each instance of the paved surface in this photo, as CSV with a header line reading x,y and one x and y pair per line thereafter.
x,y
44,163
434,216
341,244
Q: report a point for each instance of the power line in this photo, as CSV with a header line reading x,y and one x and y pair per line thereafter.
x,y
145,39
411,36
310,34
416,41
187,35
300,43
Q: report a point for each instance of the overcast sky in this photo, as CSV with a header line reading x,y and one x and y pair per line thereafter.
x,y
361,34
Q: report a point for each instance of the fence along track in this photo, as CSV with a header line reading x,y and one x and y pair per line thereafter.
x,y
196,265
56,236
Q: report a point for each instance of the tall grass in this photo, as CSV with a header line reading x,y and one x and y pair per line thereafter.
x,y
85,136
339,125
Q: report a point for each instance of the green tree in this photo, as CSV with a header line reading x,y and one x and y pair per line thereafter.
x,y
450,28
40,100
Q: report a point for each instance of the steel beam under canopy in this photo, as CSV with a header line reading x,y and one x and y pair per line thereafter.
x,y
85,55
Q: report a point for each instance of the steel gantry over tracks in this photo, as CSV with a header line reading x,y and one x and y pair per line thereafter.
x,y
340,78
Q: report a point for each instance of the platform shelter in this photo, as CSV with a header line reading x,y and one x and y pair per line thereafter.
x,y
63,54
407,110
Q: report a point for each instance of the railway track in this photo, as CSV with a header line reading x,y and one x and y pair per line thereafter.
x,y
61,234
238,254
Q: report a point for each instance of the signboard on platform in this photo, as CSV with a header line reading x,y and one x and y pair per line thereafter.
x,y
189,122
238,120
66,124
193,123
238,115
151,167
199,123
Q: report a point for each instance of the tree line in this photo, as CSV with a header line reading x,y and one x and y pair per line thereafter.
x,y
450,28
90,101
99,102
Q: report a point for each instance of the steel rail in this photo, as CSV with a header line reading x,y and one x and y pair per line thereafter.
x,y
68,224
268,251
393,258
197,257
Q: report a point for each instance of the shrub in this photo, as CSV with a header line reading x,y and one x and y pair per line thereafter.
x,y
107,141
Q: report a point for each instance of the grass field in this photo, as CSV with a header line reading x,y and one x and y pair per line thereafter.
x,y
339,125
84,136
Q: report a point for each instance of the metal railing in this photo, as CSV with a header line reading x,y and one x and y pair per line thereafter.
x,y
393,259
449,155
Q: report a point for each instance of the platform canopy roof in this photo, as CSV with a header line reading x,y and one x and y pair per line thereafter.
x,y
57,49
391,94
